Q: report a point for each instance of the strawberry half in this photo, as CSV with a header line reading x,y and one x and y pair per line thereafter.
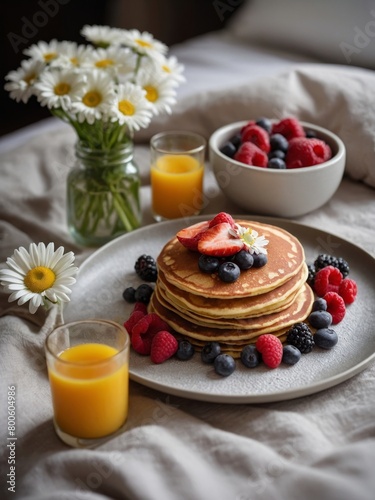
x,y
190,236
218,242
222,217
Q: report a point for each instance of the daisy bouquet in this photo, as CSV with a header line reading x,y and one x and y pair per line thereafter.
x,y
106,90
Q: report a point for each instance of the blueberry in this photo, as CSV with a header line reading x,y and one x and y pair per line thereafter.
x,y
143,293
276,163
228,149
243,259
224,365
210,351
185,350
236,140
326,338
260,259
250,357
319,304
278,141
264,123
229,272
277,153
310,134
129,294
208,264
320,319
291,354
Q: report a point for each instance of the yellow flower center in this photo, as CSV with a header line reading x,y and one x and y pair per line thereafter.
x,y
74,61
104,63
39,279
48,56
143,43
151,93
92,99
62,88
126,107
166,68
29,78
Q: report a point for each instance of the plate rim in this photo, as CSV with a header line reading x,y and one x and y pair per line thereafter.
x,y
276,396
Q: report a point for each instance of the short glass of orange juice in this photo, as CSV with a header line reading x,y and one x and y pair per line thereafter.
x,y
88,370
177,171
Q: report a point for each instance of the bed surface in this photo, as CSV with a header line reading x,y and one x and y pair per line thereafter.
x,y
320,445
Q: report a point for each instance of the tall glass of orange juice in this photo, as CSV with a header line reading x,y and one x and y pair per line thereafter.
x,y
88,370
177,170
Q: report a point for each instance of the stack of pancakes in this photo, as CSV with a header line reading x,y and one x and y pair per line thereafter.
x,y
202,308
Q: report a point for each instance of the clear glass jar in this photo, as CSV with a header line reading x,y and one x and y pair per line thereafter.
x,y
103,194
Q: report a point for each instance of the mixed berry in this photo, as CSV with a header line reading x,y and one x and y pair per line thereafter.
x,y
277,145
223,248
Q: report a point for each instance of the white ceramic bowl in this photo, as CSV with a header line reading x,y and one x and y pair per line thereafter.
x,y
283,193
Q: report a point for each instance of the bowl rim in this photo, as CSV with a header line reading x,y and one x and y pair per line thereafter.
x,y
213,145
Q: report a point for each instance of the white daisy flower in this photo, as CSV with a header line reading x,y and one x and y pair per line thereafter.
x,y
173,69
131,107
44,51
102,36
40,275
73,55
21,81
95,98
112,59
57,89
144,44
160,91
253,242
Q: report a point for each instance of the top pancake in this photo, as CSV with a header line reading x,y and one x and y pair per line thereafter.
x,y
285,259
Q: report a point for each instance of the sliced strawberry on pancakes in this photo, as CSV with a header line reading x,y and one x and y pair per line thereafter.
x,y
222,217
190,236
218,242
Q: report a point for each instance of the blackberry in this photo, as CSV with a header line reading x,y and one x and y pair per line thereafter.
x,y
301,337
145,267
311,276
343,266
324,260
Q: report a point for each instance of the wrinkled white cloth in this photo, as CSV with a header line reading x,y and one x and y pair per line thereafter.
x,y
321,445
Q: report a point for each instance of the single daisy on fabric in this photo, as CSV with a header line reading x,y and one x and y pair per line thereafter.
x,y
131,107
44,51
21,81
40,276
57,89
95,98
144,44
101,36
160,91
253,242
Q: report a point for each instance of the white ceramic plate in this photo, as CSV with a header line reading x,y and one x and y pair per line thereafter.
x,y
107,272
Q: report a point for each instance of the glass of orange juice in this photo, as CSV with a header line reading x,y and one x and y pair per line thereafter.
x,y
177,170
88,370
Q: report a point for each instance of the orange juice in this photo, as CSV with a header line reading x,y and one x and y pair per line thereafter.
x,y
177,186
89,390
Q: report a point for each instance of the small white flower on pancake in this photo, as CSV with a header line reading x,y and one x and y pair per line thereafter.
x,y
253,242
41,275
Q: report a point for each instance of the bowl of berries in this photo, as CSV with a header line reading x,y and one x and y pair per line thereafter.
x,y
285,168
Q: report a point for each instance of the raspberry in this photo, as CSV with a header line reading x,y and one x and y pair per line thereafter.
x,y
301,337
303,152
289,128
258,136
250,154
145,330
164,345
335,306
326,280
145,267
271,349
348,290
139,310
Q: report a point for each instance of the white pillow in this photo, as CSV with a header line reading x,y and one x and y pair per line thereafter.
x,y
336,31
